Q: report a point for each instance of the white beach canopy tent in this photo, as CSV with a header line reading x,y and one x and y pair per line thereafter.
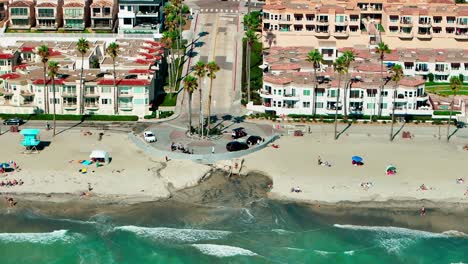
x,y
100,155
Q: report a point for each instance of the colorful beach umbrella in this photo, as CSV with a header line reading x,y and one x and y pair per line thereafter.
x,y
4,165
356,159
391,168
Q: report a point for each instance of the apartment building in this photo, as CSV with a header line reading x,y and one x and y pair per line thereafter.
x,y
140,16
75,14
429,23
48,14
21,14
9,59
24,90
289,88
103,14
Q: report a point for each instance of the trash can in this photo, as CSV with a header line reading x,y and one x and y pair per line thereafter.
x,y
14,129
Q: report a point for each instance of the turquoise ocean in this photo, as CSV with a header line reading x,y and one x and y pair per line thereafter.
x,y
263,232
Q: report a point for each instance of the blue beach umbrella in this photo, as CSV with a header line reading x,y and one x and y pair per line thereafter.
x,y
4,165
356,159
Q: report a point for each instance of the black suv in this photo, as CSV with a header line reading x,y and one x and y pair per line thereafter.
x,y
13,122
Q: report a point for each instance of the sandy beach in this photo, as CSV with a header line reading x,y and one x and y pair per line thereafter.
x,y
131,176
422,160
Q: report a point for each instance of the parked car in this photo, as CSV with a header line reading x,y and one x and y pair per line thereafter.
x,y
238,133
149,136
461,124
236,146
13,122
254,140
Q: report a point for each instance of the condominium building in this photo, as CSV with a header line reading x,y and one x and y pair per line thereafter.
x,y
75,14
140,16
24,90
103,14
48,14
21,14
290,87
9,58
429,23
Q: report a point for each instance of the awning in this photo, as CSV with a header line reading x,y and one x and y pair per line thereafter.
x,y
100,154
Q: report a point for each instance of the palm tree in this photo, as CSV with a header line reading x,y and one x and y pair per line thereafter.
x,y
339,66
349,57
53,70
250,37
316,58
212,68
113,51
397,75
455,84
43,52
381,49
200,72
82,46
190,85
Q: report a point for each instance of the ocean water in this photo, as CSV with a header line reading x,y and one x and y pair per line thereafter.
x,y
262,232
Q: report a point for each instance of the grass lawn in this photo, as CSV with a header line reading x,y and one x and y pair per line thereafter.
x,y
445,90
169,100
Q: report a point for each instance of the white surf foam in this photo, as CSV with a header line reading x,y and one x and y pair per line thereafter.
x,y
40,238
323,253
454,233
223,250
350,252
391,230
175,234
282,231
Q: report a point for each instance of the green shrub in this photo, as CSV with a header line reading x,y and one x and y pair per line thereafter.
x,y
445,112
437,122
430,76
162,114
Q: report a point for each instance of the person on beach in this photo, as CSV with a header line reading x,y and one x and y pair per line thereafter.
x,y
319,160
423,211
212,150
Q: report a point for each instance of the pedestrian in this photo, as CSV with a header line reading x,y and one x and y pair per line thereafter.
x,y
212,150
423,211
47,125
167,159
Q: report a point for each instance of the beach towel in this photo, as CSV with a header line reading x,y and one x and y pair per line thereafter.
x,y
86,162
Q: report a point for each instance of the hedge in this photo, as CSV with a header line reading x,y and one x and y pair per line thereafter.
x,y
70,117
444,112
162,114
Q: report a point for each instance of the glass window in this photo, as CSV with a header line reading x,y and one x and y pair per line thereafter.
x,y
318,105
105,89
125,90
319,92
139,101
370,105
19,11
75,12
306,104
105,101
138,89
306,92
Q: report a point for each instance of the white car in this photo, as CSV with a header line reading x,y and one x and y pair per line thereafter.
x,y
149,136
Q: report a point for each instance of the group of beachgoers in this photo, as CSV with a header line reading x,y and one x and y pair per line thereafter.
x,y
11,183
8,166
181,148
366,185
323,163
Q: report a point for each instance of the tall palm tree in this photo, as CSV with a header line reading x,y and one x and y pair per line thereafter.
x,y
43,52
190,85
316,58
397,75
212,68
339,66
382,49
250,37
53,70
200,72
82,46
113,51
349,57
455,84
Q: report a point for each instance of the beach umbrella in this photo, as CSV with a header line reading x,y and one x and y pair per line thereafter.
x,y
391,168
4,165
356,159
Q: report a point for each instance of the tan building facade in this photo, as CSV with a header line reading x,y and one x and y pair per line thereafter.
x,y
400,23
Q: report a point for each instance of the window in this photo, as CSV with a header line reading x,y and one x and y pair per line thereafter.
x,y
318,105
306,92
105,89
125,90
74,12
127,21
122,7
139,101
46,12
385,93
57,89
280,91
279,104
138,89
319,92
370,105
306,104
19,11
129,8
57,100
439,67
146,101
106,101
371,93
69,89
383,106
331,93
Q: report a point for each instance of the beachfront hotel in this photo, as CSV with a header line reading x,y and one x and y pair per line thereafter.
x,y
137,69
289,86
399,23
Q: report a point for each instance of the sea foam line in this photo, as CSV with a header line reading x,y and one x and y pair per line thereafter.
x,y
223,250
391,230
41,238
175,234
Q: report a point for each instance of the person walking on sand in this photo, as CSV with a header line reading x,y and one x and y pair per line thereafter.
x,y
212,150
319,160
423,211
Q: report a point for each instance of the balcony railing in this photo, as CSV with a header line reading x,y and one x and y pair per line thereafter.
x,y
91,105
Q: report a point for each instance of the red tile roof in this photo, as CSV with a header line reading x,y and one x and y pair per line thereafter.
x,y
5,56
273,7
153,43
102,4
141,71
21,4
46,4
73,4
130,82
10,76
27,49
285,67
41,81
277,80
21,66
423,58
369,67
411,82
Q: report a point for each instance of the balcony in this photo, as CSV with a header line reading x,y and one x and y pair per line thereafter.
x,y
422,97
341,23
405,23
46,16
424,24
27,103
291,97
69,94
101,15
91,106
424,35
322,33
70,106
356,99
341,34
405,35
462,25
461,36
265,94
125,107
322,22
125,95
147,14
91,95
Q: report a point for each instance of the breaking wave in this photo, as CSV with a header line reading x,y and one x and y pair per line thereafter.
x,y
62,236
223,250
175,234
